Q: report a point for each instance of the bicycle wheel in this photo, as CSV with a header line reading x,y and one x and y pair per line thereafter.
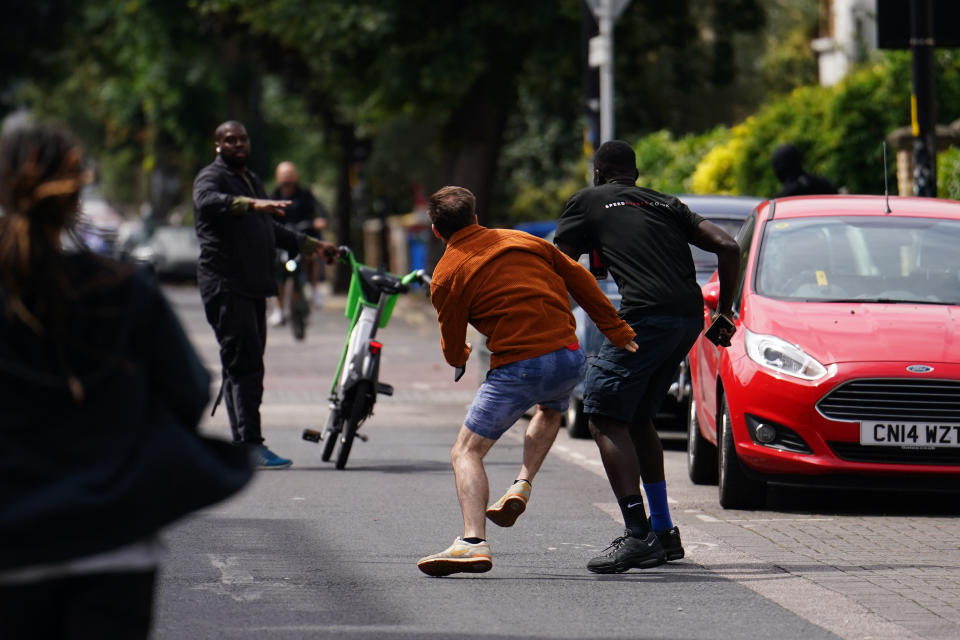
x,y
299,309
330,433
298,324
361,407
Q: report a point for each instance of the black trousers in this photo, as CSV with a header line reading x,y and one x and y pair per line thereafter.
x,y
240,324
118,606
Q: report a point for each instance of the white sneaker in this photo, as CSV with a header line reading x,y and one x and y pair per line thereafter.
x,y
276,318
460,557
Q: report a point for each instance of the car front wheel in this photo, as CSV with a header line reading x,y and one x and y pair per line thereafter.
x,y
737,489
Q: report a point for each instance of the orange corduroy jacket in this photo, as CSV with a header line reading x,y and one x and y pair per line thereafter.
x,y
512,287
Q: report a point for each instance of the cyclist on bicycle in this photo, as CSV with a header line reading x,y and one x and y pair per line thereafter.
x,y
513,288
305,214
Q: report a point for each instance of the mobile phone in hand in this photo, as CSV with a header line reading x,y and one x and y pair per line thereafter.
x,y
713,331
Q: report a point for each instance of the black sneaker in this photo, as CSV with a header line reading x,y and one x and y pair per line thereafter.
x,y
628,552
670,541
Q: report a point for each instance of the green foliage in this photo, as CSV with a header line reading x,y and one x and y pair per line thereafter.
x,y
948,174
139,87
840,129
427,83
292,133
788,62
667,163
540,201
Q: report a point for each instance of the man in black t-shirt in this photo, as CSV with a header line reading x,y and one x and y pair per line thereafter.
x,y
642,237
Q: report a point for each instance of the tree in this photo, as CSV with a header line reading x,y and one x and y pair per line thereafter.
x,y
452,83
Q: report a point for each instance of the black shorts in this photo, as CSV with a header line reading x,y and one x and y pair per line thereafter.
x,y
623,385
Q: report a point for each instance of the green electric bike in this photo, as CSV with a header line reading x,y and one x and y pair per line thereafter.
x,y
370,301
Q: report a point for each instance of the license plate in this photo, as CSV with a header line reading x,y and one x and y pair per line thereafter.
x,y
910,434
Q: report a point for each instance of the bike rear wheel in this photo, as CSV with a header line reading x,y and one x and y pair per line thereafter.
x,y
362,400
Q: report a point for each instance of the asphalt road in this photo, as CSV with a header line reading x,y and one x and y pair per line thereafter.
x,y
312,552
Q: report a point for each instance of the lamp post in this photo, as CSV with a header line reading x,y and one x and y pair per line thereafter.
x,y
601,55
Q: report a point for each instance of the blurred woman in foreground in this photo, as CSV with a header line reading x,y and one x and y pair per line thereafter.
x,y
100,397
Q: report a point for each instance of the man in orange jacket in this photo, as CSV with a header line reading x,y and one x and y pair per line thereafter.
x,y
512,287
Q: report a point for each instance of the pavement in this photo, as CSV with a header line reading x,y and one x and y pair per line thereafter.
x,y
856,565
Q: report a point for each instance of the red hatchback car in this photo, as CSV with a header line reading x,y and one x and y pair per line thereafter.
x,y
845,367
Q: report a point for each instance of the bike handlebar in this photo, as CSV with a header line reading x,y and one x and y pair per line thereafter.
x,y
345,254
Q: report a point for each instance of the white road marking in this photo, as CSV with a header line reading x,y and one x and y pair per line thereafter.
x,y
235,582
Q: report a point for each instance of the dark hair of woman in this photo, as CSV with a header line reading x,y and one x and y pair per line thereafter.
x,y
41,174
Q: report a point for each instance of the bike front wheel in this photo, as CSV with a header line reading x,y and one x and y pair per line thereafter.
x,y
299,310
330,433
362,399
298,324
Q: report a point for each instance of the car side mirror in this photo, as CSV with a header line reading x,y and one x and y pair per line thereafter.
x,y
711,295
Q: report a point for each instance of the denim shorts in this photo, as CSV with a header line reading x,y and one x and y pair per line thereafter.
x,y
509,390
623,385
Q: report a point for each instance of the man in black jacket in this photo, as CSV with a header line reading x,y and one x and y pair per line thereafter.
x,y
238,240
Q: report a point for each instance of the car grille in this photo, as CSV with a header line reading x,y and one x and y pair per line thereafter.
x,y
854,452
894,399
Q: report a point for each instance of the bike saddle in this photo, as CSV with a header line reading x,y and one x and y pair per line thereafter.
x,y
381,281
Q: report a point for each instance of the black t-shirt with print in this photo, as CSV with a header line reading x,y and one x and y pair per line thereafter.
x,y
642,236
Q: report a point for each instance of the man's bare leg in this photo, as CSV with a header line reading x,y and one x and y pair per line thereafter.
x,y
539,437
471,553
649,448
619,457
541,432
473,489
618,454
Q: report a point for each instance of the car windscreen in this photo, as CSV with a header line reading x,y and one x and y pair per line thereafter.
x,y
705,260
860,258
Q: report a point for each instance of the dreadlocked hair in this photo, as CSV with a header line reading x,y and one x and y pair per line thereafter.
x,y
41,174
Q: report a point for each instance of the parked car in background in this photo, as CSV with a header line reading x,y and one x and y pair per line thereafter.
x,y
845,367
97,222
726,211
172,252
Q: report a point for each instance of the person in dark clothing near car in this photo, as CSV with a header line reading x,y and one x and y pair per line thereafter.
x,y
307,215
788,166
101,394
642,237
236,274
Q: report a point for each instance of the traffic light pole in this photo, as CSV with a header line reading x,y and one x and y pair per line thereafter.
x,y
923,108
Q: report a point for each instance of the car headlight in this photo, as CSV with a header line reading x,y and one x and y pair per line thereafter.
x,y
779,355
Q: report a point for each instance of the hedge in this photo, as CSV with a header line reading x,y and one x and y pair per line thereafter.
x,y
840,129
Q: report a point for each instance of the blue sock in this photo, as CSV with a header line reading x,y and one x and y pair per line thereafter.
x,y
659,510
